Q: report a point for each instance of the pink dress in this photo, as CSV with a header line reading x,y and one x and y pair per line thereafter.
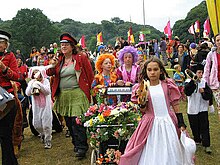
x,y
138,145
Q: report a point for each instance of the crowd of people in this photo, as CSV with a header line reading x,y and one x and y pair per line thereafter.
x,y
59,79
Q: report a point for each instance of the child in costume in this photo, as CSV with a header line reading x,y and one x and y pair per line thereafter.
x,y
199,94
156,139
105,77
128,71
40,92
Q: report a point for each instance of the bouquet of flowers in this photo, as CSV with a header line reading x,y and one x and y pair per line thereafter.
x,y
105,122
99,93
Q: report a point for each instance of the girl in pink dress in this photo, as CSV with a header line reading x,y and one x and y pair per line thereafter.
x,y
156,139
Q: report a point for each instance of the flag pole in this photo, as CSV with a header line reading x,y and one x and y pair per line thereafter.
x,y
145,46
216,13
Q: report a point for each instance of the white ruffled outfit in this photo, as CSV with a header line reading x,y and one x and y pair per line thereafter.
x,y
163,146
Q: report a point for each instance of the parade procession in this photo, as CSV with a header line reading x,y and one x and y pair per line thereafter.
x,y
111,93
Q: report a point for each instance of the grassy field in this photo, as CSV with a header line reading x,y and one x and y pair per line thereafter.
x,y
33,152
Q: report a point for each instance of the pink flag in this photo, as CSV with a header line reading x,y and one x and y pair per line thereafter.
x,y
82,41
197,26
206,26
167,30
191,30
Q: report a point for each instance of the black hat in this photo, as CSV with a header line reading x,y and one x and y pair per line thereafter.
x,y
5,35
199,67
67,38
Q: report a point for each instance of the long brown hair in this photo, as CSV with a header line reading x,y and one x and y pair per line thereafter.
x,y
143,74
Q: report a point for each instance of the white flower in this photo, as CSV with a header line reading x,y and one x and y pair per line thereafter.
x,y
114,112
123,110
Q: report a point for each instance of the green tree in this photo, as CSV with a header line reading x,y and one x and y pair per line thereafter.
x,y
32,28
117,20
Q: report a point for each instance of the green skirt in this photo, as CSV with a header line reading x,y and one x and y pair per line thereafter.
x,y
71,102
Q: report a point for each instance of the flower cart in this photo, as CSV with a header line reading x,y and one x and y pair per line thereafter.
x,y
110,127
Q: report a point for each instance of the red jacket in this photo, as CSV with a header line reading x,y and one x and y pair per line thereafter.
x,y
83,67
23,72
11,73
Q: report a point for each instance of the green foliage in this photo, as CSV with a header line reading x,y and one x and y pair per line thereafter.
x,y
32,28
181,27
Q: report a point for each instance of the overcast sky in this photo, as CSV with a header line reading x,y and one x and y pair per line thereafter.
x,y
157,12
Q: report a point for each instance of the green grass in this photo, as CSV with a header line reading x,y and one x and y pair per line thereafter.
x,y
61,153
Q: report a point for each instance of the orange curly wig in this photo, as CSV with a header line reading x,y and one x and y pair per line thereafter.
x,y
101,58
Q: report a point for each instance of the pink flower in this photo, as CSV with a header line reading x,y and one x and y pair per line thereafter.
x,y
101,108
78,121
88,114
93,108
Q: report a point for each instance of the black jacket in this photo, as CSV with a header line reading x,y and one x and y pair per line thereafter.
x,y
191,87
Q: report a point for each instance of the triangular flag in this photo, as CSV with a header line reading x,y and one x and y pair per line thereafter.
x,y
191,30
130,36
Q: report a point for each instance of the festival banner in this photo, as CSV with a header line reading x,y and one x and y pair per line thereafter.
x,y
167,30
213,7
130,36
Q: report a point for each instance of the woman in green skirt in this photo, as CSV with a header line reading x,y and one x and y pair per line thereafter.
x,y
73,77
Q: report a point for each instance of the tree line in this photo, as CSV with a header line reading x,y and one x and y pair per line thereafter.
x,y
30,27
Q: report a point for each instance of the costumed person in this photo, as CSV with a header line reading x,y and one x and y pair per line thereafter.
x,y
105,77
212,71
73,78
199,94
128,71
39,90
8,72
158,131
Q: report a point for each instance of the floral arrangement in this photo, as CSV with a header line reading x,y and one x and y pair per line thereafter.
x,y
99,92
111,155
105,122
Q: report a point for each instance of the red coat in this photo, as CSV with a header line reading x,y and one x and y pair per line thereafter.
x,y
23,72
83,67
12,71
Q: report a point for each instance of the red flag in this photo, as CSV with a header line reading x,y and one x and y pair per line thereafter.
x,y
167,30
191,30
82,41
206,26
130,36
197,26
